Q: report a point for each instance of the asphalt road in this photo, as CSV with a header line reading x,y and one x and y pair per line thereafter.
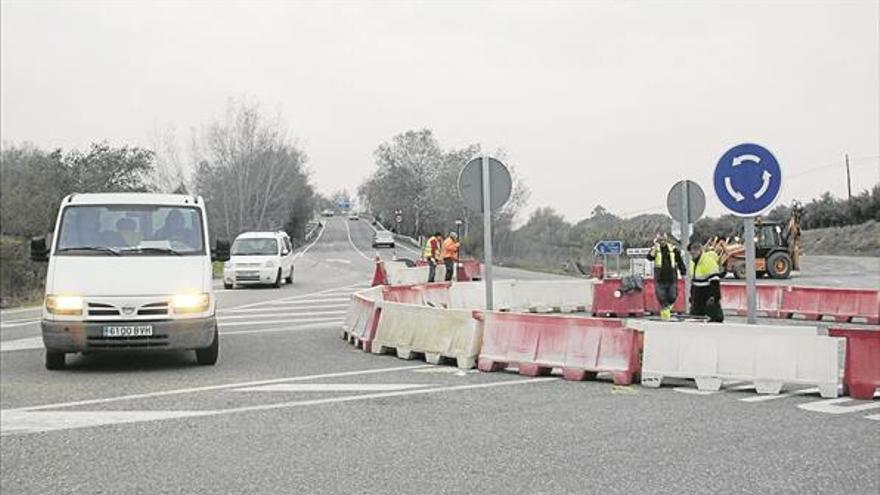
x,y
291,408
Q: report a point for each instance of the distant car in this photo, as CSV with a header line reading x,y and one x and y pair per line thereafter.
x,y
327,213
353,217
383,238
259,258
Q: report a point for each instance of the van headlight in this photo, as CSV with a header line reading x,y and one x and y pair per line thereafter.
x,y
64,305
269,264
191,303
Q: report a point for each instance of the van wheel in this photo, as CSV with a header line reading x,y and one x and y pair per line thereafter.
x,y
55,360
289,279
208,355
277,283
227,285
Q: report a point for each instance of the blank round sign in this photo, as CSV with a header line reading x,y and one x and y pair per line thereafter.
x,y
470,184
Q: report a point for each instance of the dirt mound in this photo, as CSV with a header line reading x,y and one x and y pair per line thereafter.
x,y
853,240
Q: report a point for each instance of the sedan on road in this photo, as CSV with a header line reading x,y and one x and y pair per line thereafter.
x,y
383,238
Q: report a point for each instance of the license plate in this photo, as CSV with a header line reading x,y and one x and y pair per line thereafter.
x,y
127,331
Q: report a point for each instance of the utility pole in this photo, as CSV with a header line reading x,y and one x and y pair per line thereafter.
x,y
848,178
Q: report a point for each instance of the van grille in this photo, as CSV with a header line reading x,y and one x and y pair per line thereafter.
x,y
100,309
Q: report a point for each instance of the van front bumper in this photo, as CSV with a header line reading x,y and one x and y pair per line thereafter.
x,y
81,336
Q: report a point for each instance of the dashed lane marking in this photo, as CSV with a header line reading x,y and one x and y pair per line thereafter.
x,y
281,315
264,321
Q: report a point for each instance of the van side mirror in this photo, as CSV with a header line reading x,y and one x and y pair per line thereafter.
x,y
221,251
39,249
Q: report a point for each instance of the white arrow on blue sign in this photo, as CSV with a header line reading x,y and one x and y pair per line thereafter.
x,y
609,247
747,180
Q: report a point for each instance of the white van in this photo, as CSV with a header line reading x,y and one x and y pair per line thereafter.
x,y
129,271
259,258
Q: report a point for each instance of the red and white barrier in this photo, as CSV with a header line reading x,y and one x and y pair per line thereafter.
x,y
362,318
841,305
536,344
861,372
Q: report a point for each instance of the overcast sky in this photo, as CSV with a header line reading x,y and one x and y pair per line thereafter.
x,y
594,102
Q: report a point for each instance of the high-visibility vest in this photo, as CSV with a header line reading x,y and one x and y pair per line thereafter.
x,y
706,269
658,256
428,252
450,249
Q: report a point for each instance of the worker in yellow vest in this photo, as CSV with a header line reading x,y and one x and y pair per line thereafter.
x,y
432,254
667,266
705,283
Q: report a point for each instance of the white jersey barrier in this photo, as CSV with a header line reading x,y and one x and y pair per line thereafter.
x,y
741,328
769,360
435,332
536,296
400,274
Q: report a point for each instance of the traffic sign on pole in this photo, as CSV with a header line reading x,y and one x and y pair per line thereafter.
x,y
748,180
694,201
609,247
484,185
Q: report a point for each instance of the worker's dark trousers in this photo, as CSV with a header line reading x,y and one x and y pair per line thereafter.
x,y
706,301
450,268
432,270
667,293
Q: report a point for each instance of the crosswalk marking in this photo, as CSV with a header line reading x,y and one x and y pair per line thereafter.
x,y
333,387
339,305
21,344
298,328
289,320
833,406
281,315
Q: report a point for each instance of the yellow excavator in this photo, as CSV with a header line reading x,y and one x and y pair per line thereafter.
x,y
777,248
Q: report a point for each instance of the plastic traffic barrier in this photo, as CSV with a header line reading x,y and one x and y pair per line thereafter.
x,y
552,296
472,295
841,305
379,275
608,300
400,274
861,371
436,294
580,346
767,360
436,333
740,328
409,294
768,298
362,318
469,270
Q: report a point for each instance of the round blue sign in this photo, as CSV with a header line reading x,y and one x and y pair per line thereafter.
x,y
747,179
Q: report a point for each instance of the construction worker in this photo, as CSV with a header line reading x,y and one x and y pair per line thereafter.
x,y
705,283
449,253
667,266
432,254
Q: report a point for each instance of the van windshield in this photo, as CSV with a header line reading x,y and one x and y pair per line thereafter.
x,y
123,230
255,246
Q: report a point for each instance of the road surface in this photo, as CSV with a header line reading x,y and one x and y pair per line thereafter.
x,y
291,408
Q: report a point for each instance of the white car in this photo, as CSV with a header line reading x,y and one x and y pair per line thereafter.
x,y
259,258
383,238
129,271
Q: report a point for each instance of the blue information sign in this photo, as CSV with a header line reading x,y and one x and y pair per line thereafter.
x,y
609,247
747,179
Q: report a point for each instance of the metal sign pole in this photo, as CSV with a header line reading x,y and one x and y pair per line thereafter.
x,y
487,232
751,292
685,240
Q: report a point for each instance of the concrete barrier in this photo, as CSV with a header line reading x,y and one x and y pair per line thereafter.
x,y
437,333
579,346
361,318
767,360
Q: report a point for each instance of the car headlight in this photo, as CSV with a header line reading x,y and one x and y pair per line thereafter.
x,y
64,305
269,264
191,303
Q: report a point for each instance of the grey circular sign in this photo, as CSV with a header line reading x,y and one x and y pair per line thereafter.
x,y
470,184
695,198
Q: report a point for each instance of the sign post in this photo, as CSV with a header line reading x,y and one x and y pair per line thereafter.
x,y
686,203
748,180
484,185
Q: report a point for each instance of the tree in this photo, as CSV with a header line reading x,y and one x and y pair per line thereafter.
x,y
251,175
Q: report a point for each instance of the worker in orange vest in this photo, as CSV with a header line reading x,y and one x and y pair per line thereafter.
x,y
449,253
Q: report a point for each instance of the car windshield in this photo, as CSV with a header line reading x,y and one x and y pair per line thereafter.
x,y
255,246
122,230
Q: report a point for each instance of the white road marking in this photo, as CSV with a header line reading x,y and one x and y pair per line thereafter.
x,y
283,314
338,260
20,323
307,302
748,386
298,328
694,391
264,321
348,232
333,387
259,310
765,398
875,417
832,406
191,390
306,249
19,310
30,420
312,295
21,344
